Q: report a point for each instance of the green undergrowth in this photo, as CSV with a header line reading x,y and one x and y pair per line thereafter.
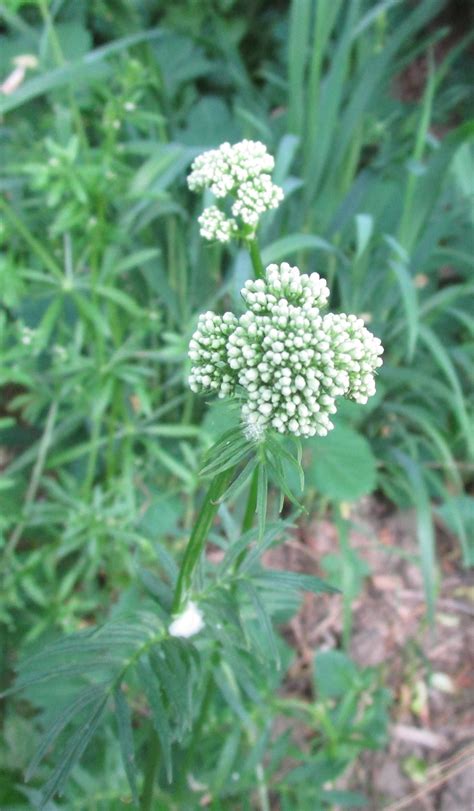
x,y
102,276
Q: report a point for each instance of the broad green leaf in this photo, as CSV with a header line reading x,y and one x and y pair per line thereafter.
x,y
335,674
342,465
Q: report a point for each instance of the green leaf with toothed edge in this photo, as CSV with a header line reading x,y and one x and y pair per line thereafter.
x,y
152,690
342,466
90,695
73,751
125,732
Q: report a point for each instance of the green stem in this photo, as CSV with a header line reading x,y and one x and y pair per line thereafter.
x,y
249,514
146,802
251,503
199,534
257,263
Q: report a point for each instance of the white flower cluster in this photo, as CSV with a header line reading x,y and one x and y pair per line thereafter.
x,y
288,361
242,171
215,225
254,197
222,170
208,351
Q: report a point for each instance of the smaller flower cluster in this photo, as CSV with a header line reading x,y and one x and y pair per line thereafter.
x,y
222,170
289,362
254,197
208,351
356,351
216,226
243,172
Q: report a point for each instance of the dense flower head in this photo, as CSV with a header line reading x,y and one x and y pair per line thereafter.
x,y
226,168
242,171
215,225
283,282
254,197
208,352
356,351
287,361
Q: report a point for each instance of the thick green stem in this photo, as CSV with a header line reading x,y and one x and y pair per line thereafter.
x,y
199,534
153,752
257,263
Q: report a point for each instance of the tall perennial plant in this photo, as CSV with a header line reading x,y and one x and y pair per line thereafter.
x,y
284,363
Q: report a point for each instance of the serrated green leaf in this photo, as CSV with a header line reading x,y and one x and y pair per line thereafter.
x,y
88,696
127,747
264,620
335,673
151,686
73,751
342,465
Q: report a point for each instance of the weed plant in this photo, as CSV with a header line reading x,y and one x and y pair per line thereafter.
x,y
103,275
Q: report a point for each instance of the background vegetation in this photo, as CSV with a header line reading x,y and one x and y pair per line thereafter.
x,y
102,276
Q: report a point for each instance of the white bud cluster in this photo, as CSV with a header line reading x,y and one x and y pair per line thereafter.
x,y
289,362
243,171
208,352
357,352
215,225
285,282
222,170
254,197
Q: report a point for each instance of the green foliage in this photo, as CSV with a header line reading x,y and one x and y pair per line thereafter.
x,y
342,465
133,657
102,275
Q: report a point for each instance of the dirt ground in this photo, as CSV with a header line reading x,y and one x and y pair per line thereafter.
x,y
429,763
